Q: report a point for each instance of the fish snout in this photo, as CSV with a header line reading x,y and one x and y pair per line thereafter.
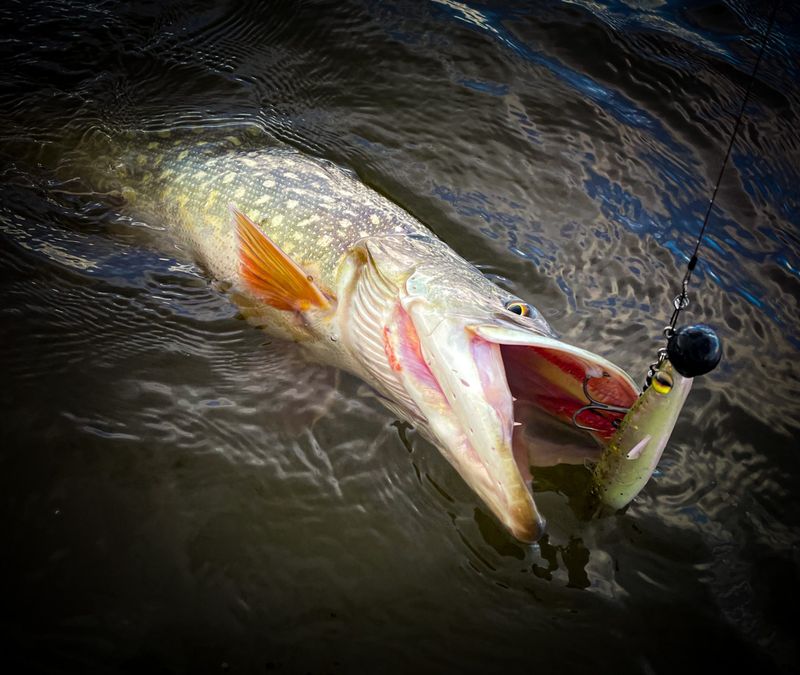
x,y
470,410
526,523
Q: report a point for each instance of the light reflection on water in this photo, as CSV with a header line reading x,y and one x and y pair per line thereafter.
x,y
182,492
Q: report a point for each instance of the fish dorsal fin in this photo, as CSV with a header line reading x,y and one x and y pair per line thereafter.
x,y
270,273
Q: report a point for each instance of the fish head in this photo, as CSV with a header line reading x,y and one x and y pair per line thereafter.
x,y
453,352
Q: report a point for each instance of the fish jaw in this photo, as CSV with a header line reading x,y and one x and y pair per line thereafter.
x,y
460,385
460,375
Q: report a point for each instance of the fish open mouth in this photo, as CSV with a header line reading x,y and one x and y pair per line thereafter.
x,y
568,402
558,382
480,386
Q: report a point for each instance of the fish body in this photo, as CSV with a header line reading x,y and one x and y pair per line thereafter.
x,y
313,255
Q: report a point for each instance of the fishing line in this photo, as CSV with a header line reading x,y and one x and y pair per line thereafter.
x,y
681,301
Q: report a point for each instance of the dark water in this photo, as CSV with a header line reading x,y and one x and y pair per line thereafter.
x,y
178,496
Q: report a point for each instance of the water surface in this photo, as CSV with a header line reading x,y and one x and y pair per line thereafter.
x,y
181,494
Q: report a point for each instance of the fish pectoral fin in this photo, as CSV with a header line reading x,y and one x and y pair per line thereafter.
x,y
271,274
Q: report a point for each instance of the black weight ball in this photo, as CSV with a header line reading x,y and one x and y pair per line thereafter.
x,y
694,350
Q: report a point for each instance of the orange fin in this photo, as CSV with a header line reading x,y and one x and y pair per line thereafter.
x,y
272,274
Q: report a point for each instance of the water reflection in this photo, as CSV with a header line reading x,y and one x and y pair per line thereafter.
x,y
180,495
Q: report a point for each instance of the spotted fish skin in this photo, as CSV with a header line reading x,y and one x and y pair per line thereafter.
x,y
312,209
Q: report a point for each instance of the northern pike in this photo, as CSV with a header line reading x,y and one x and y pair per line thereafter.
x,y
313,255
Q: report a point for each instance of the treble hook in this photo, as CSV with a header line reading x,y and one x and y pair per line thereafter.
x,y
594,404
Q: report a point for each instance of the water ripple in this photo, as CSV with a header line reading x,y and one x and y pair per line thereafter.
x,y
169,471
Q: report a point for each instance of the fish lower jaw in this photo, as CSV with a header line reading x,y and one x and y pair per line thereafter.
x,y
503,490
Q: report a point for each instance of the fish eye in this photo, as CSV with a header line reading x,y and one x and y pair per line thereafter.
x,y
662,382
518,307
